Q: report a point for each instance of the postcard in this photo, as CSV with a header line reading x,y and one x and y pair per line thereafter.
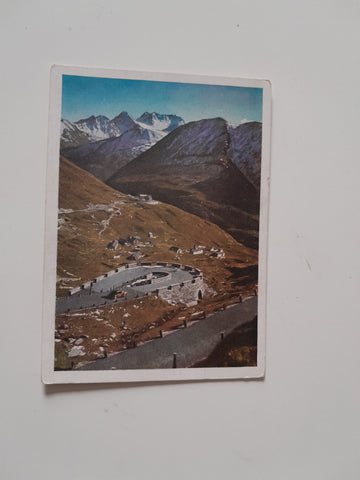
x,y
156,227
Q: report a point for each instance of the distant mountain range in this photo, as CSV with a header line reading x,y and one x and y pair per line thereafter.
x,y
102,146
95,128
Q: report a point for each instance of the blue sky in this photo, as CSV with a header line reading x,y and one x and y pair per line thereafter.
x,y
85,96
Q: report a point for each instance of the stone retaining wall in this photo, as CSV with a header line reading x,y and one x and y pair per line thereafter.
x,y
109,274
74,290
97,279
186,291
155,280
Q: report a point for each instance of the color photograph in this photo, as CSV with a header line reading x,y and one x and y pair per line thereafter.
x,y
158,233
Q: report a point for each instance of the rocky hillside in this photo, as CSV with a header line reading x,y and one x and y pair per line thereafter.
x,y
92,215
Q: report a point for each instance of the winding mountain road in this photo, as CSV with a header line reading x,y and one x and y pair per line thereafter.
x,y
190,344
96,295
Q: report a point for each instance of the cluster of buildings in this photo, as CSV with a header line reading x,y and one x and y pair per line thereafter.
x,y
135,254
216,252
131,241
145,198
201,250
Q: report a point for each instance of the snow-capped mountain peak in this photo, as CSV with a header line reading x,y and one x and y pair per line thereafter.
x,y
97,127
160,121
121,123
71,135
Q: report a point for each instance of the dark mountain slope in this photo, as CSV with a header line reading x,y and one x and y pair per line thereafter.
x,y
245,150
191,169
105,157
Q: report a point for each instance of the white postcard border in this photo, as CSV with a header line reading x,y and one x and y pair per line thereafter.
x,y
49,375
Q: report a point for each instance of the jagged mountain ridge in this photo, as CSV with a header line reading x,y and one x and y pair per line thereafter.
x,y
102,146
121,124
160,121
97,127
193,168
245,150
205,146
71,135
100,127
105,157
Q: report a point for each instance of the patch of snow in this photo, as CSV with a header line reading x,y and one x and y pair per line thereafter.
x,y
64,279
65,210
71,274
76,352
98,128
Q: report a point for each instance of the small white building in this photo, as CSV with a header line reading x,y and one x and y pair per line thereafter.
x,y
113,245
144,197
196,250
218,254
